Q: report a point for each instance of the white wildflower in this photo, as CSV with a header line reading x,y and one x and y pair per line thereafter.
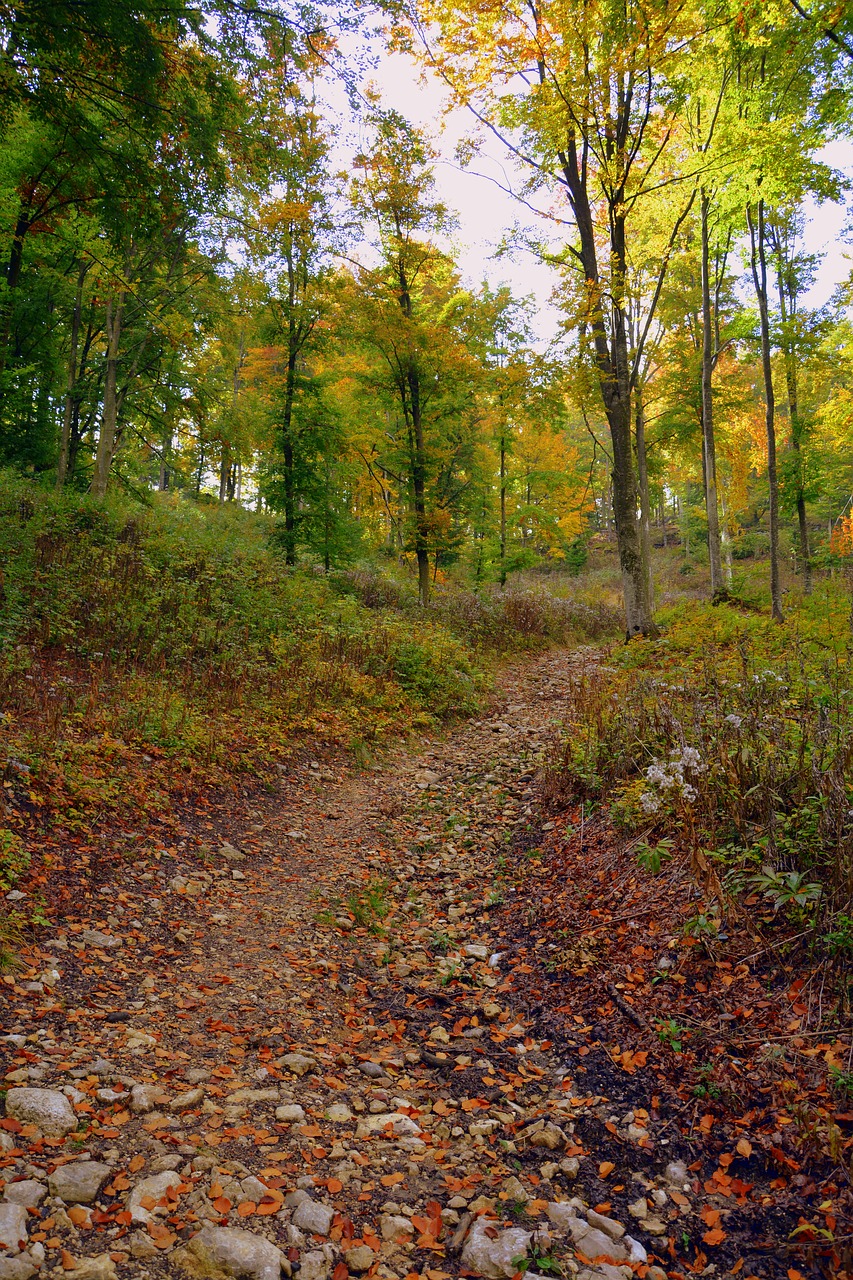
x,y
650,802
737,721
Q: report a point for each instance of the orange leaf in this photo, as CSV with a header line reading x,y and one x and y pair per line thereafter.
x,y
606,1166
267,1207
744,1147
715,1236
67,1260
391,1179
709,1215
222,1204
340,1272
333,1186
246,1209
137,1163
161,1235
78,1215
215,1190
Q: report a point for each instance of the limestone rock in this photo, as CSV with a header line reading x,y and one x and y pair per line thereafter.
x,y
223,1253
314,1265
593,1243
78,1183
13,1227
314,1217
494,1258
298,1064
359,1259
401,1126
100,1268
609,1226
290,1113
395,1227
145,1097
28,1193
186,1101
21,1267
48,1109
156,1187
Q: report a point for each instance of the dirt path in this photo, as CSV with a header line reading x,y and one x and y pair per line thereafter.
x,y
302,1023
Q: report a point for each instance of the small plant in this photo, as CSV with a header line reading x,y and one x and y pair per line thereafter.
x,y
14,859
702,926
371,906
704,1086
651,859
839,940
841,1081
540,1263
441,943
784,888
670,1033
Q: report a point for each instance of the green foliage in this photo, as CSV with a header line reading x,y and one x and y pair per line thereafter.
x,y
652,859
767,712
14,858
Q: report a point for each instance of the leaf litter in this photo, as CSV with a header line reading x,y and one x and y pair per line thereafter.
x,y
356,1014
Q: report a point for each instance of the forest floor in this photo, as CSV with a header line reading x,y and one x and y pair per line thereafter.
x,y
402,1022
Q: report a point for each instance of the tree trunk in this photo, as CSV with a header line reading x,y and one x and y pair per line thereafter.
x,y
643,483
107,437
71,380
503,510
794,416
758,260
709,452
289,461
418,465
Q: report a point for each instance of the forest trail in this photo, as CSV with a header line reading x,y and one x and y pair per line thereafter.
x,y
302,1022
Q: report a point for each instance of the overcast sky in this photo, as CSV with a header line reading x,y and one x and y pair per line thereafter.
x,y
486,213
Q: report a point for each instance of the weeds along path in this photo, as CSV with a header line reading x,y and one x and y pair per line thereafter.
x,y
293,1040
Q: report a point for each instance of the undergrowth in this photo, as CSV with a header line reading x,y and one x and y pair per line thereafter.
x,y
735,737
149,650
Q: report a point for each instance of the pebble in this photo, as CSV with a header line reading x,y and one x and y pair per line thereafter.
x,y
220,1252
13,1227
496,1259
21,1267
359,1259
79,1182
156,1187
298,1064
48,1109
312,1216
28,1193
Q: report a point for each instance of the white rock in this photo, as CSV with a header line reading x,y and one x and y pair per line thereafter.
x,y
186,1101
48,1109
636,1251
639,1209
29,1193
401,1126
562,1214
94,938
13,1227
609,1226
220,1252
314,1217
298,1064
145,1097
339,1113
314,1266
80,1182
593,1243
100,1268
290,1113
21,1267
156,1187
498,1258
395,1227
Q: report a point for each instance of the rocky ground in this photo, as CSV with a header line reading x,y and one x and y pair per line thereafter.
x,y
296,1038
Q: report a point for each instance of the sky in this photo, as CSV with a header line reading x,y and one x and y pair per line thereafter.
x,y
486,213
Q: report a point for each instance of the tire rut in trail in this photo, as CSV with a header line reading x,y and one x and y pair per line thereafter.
x,y
313,1038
